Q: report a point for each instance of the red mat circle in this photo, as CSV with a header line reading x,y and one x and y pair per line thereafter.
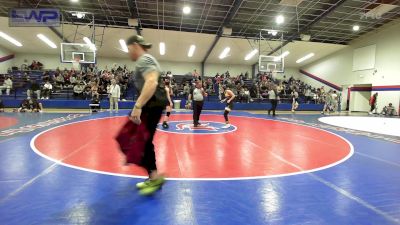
x,y
258,148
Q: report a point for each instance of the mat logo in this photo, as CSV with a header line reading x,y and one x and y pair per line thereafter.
x,y
206,127
34,17
191,127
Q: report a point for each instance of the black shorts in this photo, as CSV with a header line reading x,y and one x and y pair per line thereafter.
x,y
229,105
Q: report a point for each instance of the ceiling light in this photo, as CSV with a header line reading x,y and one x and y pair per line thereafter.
x,y
305,58
283,55
10,39
186,10
191,50
162,48
280,19
224,53
356,28
46,40
74,0
88,42
273,32
251,54
78,15
123,45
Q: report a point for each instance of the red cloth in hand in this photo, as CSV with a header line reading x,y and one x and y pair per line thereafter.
x,y
132,140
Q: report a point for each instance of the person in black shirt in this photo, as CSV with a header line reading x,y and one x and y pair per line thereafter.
x,y
168,90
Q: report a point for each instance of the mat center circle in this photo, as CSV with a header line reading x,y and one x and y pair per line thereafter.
x,y
258,148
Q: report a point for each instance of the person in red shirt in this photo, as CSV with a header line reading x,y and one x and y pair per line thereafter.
x,y
372,102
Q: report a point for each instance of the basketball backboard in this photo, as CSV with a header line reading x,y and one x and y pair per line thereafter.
x,y
271,64
72,52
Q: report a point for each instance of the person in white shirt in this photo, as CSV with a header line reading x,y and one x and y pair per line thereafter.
x,y
335,100
6,85
389,110
295,100
47,90
114,94
273,98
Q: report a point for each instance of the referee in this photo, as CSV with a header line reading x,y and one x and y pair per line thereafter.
x,y
273,98
197,94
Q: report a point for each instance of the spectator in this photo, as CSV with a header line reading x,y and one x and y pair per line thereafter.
x,y
60,81
36,65
95,107
389,110
87,93
47,89
123,84
24,65
78,90
295,100
114,95
221,91
196,75
33,88
8,84
27,77
373,102
263,89
95,90
73,80
186,90
247,95
308,95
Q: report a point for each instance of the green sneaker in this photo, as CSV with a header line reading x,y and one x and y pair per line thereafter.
x,y
150,186
149,190
143,184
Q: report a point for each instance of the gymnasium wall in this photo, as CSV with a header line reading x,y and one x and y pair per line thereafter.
x,y
5,64
234,70
338,67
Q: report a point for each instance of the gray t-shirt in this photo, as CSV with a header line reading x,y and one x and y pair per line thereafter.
x,y
144,65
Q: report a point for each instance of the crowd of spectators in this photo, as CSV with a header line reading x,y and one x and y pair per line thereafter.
x,y
90,83
249,90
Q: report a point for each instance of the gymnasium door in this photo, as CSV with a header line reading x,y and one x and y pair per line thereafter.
x,y
359,99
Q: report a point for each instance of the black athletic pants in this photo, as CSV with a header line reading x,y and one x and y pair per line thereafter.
x,y
197,107
151,117
274,104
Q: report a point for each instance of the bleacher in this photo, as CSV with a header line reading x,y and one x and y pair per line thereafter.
x,y
63,98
